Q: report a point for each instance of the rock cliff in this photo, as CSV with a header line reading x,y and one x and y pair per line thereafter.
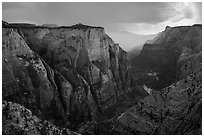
x,y
174,110
84,52
177,108
166,53
67,75
77,78
28,80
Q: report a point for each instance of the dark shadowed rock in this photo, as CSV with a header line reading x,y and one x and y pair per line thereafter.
x,y
177,109
17,120
165,53
27,79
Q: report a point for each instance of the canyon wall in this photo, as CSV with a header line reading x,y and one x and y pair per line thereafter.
x,y
167,52
177,108
66,74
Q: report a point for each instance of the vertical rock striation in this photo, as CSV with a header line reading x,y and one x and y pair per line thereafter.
x,y
70,74
27,79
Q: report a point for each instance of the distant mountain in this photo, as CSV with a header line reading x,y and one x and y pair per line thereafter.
x,y
134,52
130,41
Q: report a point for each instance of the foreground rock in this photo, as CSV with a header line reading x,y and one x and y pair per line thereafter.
x,y
17,120
175,110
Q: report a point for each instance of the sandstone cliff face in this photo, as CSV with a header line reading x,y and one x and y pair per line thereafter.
x,y
27,79
88,54
67,74
164,53
71,75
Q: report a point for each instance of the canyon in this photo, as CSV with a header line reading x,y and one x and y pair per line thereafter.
x,y
77,80
173,54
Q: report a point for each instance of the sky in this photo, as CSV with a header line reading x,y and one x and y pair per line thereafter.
x,y
140,18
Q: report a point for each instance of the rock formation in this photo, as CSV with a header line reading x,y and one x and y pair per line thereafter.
x,y
77,78
67,75
27,79
177,109
165,54
17,120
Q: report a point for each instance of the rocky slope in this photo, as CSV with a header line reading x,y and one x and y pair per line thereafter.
x,y
165,55
177,109
174,110
17,120
67,75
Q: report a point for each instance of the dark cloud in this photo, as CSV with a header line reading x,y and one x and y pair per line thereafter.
x,y
135,17
103,14
93,12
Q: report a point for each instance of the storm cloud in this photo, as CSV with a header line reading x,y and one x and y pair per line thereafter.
x,y
135,17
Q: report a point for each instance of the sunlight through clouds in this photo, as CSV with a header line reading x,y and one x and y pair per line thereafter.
x,y
183,14
143,18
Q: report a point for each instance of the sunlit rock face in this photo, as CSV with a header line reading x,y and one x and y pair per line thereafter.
x,y
86,51
67,74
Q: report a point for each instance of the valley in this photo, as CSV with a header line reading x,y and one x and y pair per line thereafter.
x,y
77,80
